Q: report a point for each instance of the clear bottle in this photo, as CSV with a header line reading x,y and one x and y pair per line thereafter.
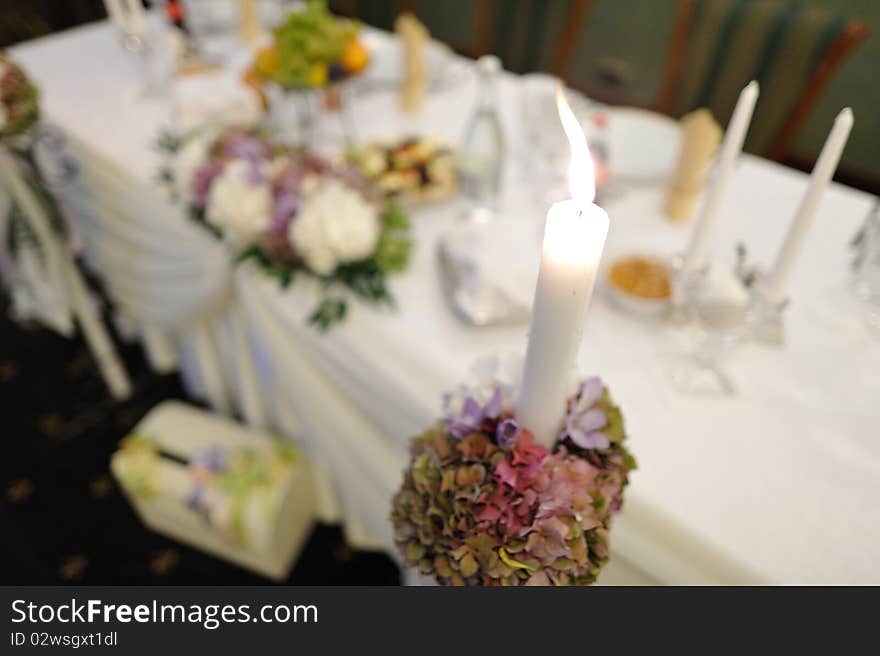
x,y
481,156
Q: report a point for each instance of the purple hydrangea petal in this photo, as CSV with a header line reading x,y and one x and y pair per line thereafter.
x,y
194,498
290,179
591,420
286,205
590,391
493,408
472,414
216,459
202,181
508,433
246,146
591,440
471,411
458,429
213,458
255,174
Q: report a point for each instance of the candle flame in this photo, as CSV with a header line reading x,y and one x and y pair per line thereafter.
x,y
581,173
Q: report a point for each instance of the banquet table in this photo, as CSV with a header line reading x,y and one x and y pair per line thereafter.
x,y
777,483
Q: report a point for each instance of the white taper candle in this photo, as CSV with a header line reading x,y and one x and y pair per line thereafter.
x,y
573,240
734,137
823,171
574,236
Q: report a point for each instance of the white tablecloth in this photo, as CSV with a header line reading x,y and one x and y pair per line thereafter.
x,y
778,483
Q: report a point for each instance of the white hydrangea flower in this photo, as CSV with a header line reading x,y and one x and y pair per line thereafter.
x,y
238,206
334,226
500,371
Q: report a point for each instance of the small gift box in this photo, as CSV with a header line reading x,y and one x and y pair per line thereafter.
x,y
217,486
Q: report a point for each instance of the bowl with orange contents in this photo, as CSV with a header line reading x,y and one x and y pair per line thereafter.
x,y
640,284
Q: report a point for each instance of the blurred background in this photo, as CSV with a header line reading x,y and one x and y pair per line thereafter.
x,y
670,55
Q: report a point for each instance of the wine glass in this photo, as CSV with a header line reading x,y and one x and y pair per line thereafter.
x,y
545,149
138,36
711,316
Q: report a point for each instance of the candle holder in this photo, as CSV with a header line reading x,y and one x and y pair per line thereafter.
x,y
152,71
306,118
764,317
709,316
482,504
684,283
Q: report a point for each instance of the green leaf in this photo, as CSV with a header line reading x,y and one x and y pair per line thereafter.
x,y
168,142
613,430
328,313
248,253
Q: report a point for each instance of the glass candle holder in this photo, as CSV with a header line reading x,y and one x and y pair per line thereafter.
x,y
710,311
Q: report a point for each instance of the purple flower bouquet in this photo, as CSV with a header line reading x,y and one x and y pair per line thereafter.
x,y
291,211
482,504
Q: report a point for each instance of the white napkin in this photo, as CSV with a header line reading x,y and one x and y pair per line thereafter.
x,y
217,98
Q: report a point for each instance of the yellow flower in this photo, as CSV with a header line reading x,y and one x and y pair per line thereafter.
x,y
510,562
318,75
267,63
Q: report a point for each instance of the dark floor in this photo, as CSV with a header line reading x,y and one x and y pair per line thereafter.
x,y
62,517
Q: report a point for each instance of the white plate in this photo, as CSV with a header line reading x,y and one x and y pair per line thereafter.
x,y
643,145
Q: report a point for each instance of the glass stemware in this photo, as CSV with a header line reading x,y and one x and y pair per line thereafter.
x,y
152,65
482,152
711,316
313,118
545,150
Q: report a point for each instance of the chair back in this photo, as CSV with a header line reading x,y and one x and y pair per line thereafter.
x,y
790,47
527,35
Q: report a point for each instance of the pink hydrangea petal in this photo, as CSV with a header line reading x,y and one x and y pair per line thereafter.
x,y
538,578
506,472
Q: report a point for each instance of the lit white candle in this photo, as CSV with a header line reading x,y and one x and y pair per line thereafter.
x,y
574,236
730,150
823,171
